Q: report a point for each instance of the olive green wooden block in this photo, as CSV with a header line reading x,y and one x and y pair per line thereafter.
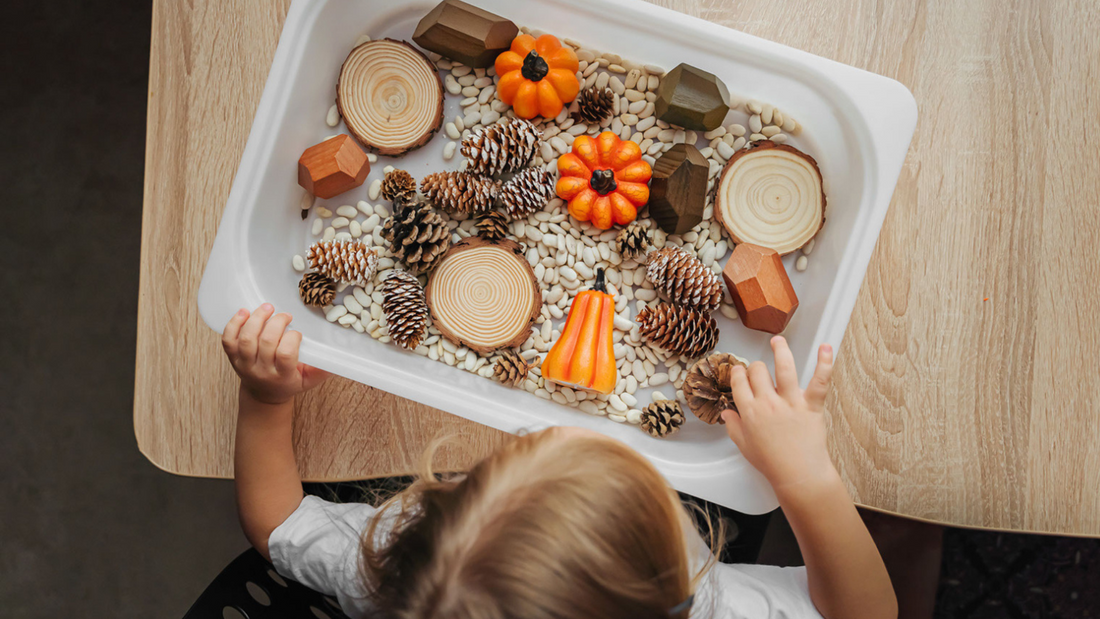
x,y
692,98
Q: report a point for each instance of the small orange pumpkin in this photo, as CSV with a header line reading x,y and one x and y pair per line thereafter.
x,y
537,76
604,180
584,355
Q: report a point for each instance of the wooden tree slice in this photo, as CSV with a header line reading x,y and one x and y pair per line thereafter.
x,y
771,195
484,295
390,96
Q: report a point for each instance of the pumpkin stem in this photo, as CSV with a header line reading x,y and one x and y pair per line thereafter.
x,y
534,67
600,285
603,182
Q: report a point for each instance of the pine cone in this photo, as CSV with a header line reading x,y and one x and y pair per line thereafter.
x,y
418,237
316,289
685,279
681,330
707,386
632,242
405,309
595,104
501,148
460,191
511,369
527,192
399,187
353,262
493,225
662,418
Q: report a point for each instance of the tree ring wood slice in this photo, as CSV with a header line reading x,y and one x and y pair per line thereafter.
x,y
771,195
390,96
484,295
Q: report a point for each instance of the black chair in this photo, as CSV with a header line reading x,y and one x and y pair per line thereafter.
x,y
249,588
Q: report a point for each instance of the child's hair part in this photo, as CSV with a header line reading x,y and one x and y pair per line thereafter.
x,y
552,525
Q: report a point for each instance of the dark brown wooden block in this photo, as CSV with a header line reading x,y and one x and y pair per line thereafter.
x,y
332,167
761,290
692,98
678,189
463,32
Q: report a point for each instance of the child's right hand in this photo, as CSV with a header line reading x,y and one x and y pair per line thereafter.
x,y
265,356
780,429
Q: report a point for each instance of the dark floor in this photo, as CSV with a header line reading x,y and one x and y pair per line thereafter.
x,y
88,528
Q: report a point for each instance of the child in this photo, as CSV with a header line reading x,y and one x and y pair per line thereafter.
x,y
560,523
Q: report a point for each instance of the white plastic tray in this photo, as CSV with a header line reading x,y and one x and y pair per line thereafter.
x,y
856,124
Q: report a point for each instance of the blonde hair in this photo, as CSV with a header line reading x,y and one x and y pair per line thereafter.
x,y
548,526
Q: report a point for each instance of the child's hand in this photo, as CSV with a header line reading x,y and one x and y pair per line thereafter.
x,y
782,431
265,356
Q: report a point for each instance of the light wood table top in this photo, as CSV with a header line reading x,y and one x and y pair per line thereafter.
x,y
968,383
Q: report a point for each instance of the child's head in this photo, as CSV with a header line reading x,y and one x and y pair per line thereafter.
x,y
559,523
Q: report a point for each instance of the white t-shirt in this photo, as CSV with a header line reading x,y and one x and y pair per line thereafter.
x,y
318,546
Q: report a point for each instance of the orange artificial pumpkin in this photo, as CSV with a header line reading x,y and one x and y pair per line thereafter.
x,y
584,355
604,180
537,77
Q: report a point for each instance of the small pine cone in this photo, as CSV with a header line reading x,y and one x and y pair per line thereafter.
x,y
595,104
418,237
681,330
399,187
405,309
493,225
684,279
662,418
353,262
316,289
499,148
707,386
511,369
527,192
460,191
632,242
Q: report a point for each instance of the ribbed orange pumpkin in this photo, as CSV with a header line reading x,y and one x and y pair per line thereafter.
x,y
537,76
584,355
604,180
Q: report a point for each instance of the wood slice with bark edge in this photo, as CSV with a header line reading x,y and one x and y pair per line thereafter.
x,y
782,241
523,279
366,65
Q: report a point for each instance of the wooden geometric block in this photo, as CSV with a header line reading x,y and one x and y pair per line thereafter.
x,y
332,167
761,290
459,31
692,98
678,189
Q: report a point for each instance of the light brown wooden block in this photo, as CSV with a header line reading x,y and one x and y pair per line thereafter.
x,y
761,290
332,167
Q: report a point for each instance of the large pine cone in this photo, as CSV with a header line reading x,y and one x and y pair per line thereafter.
x,y
353,262
418,237
405,309
681,330
527,192
399,187
684,279
595,104
493,225
662,418
707,386
501,148
460,192
511,369
316,289
632,242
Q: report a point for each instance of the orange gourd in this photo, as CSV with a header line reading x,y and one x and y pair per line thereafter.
x,y
604,180
584,355
537,76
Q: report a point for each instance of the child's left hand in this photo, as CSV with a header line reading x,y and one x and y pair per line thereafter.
x,y
265,356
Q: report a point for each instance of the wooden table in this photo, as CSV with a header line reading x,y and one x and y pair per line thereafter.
x,y
968,384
